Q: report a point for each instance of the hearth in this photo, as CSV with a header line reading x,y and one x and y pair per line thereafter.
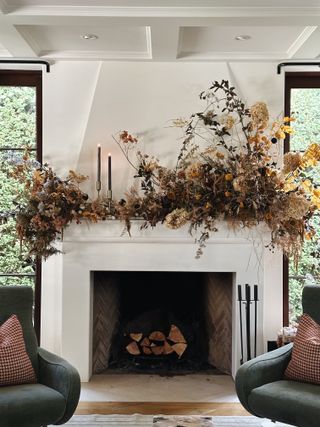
x,y
162,322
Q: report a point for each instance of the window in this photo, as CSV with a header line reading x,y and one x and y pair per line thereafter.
x,y
20,126
303,98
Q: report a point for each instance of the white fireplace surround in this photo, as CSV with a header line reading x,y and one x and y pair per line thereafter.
x,y
67,287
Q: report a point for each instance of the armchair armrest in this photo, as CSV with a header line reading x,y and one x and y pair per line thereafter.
x,y
267,368
58,374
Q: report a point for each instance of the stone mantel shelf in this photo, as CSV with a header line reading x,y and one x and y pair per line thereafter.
x,y
114,231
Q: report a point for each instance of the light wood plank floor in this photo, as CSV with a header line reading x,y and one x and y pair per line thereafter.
x,y
165,408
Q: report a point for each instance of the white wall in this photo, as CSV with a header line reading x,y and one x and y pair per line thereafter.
x,y
87,102
67,100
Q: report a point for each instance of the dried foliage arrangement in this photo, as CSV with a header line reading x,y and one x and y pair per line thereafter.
x,y
224,171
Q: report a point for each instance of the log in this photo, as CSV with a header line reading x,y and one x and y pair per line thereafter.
x,y
136,337
157,336
145,342
179,348
167,348
146,350
157,350
175,335
133,349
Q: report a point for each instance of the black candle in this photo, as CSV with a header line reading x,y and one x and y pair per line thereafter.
x,y
239,293
109,173
248,292
255,290
99,164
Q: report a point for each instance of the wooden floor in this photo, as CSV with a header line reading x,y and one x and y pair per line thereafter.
x,y
165,408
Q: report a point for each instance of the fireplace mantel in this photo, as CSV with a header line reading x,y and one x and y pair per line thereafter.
x,y
115,231
67,278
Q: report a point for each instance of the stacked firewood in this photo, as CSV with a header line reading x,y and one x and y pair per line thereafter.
x,y
157,343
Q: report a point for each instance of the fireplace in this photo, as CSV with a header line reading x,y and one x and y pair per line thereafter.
x,y
68,280
162,322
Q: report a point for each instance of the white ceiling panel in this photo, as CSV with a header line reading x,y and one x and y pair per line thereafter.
x,y
220,41
62,41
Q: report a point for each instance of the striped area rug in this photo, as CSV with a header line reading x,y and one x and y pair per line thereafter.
x,y
167,421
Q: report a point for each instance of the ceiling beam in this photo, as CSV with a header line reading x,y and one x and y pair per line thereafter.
x,y
162,12
164,42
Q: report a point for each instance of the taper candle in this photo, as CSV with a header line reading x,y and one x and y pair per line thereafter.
x,y
99,164
109,173
248,292
255,289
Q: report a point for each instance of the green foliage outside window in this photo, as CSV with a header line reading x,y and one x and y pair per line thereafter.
x,y
305,104
17,130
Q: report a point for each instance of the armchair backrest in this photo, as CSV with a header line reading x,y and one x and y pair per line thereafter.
x,y
19,300
311,302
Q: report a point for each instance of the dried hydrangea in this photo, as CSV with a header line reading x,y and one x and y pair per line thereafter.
x,y
177,218
296,206
291,162
260,114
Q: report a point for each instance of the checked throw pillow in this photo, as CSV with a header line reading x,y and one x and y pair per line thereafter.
x,y
304,365
15,365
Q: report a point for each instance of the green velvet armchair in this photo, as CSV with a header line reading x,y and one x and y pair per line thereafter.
x,y
54,398
263,390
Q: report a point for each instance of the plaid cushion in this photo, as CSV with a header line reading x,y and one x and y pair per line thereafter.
x,y
305,361
15,365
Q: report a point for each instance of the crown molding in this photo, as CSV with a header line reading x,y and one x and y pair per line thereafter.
x,y
159,12
300,40
233,56
95,55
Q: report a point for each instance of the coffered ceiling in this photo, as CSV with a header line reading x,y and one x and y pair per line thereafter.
x,y
160,30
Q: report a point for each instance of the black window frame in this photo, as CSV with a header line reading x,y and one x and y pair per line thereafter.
x,y
294,80
31,78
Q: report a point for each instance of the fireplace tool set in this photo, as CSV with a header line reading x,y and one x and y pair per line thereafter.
x,y
247,302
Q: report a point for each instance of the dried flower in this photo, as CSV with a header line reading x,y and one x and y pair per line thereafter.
x,y
311,156
227,121
260,115
291,162
126,138
176,218
180,122
194,171
296,206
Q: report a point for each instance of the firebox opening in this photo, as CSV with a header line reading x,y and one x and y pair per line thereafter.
x,y
160,322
